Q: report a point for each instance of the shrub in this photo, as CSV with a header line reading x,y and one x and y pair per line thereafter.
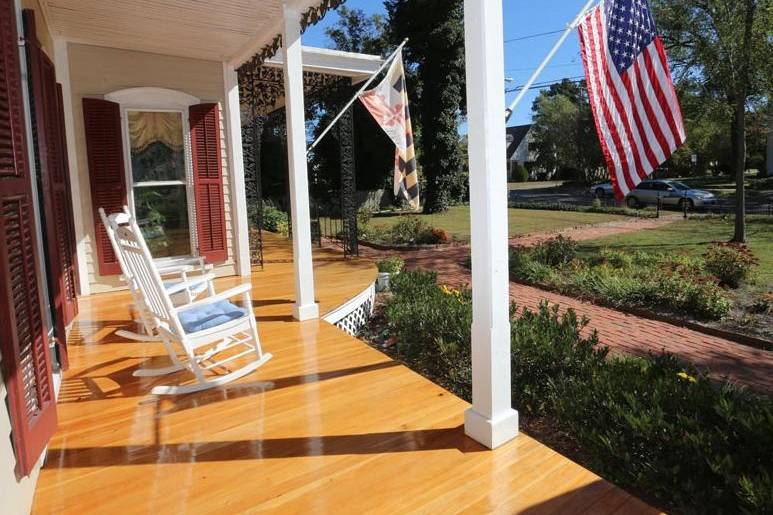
x,y
615,258
731,263
556,251
659,425
548,348
652,424
275,220
435,236
391,265
763,304
408,230
520,173
432,327
524,268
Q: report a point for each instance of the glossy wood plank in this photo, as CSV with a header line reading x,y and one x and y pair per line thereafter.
x,y
330,425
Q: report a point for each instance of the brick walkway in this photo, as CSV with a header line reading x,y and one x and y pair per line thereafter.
x,y
621,332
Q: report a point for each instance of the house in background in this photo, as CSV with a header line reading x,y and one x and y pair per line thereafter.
x,y
519,139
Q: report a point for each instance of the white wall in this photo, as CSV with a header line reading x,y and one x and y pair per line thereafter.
x,y
96,71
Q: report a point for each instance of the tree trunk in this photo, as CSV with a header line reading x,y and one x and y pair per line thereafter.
x,y
739,167
739,125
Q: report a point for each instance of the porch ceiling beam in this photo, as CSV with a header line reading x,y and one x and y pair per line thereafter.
x,y
333,62
491,420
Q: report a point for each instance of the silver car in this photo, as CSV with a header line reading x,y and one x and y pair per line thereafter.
x,y
602,190
671,193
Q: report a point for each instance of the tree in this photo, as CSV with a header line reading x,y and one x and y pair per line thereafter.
x,y
357,32
436,82
565,137
374,152
724,45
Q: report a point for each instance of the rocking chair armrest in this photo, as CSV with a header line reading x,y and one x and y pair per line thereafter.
x,y
243,290
175,270
189,283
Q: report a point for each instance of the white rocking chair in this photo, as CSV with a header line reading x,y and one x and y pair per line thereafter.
x,y
203,330
167,267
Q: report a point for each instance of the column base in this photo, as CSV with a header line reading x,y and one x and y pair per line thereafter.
x,y
306,312
491,433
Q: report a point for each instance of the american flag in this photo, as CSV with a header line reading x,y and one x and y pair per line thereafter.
x,y
388,104
637,113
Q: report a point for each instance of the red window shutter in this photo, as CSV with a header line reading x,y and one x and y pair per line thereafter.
x,y
50,146
208,182
104,146
26,362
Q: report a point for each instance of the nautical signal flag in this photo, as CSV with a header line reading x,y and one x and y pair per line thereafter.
x,y
388,104
637,113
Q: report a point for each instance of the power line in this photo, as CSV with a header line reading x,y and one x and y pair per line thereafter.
x,y
532,36
545,84
565,65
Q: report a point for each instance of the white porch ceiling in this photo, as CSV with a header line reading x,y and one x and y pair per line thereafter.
x,y
217,30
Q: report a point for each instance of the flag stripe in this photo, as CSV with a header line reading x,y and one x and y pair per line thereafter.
x,y
605,138
603,106
621,109
659,146
658,100
632,96
668,87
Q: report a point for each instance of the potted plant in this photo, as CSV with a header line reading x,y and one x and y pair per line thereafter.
x,y
386,267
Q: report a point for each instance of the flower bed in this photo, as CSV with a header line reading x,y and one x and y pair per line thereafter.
x,y
697,287
654,425
407,232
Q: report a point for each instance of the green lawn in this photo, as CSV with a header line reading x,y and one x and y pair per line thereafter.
x,y
694,236
456,221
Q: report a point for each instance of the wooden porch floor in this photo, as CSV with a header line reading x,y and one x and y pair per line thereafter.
x,y
329,425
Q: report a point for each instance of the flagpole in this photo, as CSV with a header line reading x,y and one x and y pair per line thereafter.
x,y
357,95
548,58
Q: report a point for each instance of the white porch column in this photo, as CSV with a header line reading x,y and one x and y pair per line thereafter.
x,y
233,130
62,66
305,306
491,420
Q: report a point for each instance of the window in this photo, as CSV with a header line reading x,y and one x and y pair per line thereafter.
x,y
169,171
159,180
646,185
158,165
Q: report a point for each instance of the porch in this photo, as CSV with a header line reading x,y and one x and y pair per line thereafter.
x,y
332,425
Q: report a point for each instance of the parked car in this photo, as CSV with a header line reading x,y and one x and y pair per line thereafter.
x,y
671,193
602,190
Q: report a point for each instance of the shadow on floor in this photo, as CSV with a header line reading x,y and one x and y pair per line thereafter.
x,y
269,448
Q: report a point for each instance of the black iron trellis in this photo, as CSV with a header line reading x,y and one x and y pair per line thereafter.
x,y
348,184
252,133
261,90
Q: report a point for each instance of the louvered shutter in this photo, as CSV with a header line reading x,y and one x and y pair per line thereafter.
x,y
208,182
50,146
104,146
26,361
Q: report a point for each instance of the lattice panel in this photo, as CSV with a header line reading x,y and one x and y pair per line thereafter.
x,y
354,321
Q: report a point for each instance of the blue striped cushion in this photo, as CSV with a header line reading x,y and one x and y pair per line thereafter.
x,y
211,315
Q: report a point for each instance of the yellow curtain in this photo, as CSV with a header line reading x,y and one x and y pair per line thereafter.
x,y
149,127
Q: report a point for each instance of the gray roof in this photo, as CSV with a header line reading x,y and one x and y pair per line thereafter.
x,y
518,133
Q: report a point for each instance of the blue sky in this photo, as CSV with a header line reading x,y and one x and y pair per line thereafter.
x,y
522,18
